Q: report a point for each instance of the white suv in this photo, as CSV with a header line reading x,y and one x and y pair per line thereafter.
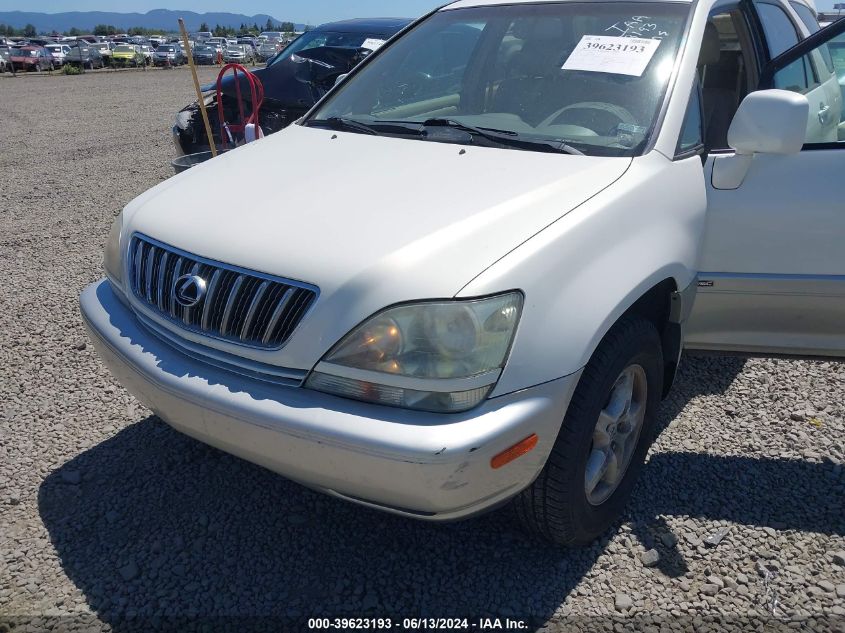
x,y
481,276
58,52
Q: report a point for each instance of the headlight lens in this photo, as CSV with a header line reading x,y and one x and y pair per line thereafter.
x,y
442,356
111,256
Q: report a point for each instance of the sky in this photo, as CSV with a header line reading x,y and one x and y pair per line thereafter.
x,y
305,11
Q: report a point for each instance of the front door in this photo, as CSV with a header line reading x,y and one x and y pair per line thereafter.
x,y
772,271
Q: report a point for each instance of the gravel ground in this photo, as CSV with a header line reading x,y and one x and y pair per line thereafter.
x,y
109,518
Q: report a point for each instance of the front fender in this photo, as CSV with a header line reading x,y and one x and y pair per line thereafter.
x,y
581,273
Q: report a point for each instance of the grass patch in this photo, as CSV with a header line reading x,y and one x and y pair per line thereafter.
x,y
70,69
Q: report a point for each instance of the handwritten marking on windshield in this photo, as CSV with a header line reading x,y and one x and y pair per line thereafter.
x,y
638,26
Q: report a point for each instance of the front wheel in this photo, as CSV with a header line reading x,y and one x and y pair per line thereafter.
x,y
601,447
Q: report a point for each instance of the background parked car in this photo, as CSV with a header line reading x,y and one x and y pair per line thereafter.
x,y
84,55
268,49
105,49
238,54
250,44
5,62
59,53
127,55
204,55
169,53
148,52
40,41
291,87
218,46
31,58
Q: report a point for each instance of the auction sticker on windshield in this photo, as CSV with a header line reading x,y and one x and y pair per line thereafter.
x,y
372,43
609,54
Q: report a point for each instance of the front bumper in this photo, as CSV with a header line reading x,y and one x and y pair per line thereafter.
x,y
429,466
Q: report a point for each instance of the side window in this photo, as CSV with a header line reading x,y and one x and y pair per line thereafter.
x,y
826,119
692,134
781,36
812,25
780,32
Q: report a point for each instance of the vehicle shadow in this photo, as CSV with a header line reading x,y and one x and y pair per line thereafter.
x,y
160,525
152,524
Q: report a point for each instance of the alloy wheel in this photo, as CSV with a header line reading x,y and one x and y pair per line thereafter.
x,y
616,434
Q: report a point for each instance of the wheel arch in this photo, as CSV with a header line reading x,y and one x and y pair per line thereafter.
x,y
660,306
658,300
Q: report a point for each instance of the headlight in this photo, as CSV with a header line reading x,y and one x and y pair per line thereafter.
x,y
442,356
111,256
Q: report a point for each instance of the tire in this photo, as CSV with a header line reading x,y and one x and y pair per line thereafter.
x,y
557,506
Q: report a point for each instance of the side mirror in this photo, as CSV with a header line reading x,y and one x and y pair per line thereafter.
x,y
770,122
766,122
340,78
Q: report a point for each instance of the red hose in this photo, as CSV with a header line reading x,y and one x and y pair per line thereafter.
x,y
257,98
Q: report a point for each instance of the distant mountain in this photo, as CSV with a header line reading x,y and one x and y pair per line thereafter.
x,y
163,19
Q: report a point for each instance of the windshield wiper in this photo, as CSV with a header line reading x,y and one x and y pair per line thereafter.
x,y
505,137
342,123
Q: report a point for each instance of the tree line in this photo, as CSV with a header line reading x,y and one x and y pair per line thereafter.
x,y
108,29
10,31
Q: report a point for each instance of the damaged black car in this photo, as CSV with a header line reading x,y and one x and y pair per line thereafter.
x,y
293,80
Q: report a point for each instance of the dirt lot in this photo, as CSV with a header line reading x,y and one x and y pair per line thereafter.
x,y
108,518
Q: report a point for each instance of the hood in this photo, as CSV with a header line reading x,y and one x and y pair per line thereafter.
x,y
371,221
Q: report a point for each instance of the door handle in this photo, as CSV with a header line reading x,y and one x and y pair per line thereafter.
x,y
824,114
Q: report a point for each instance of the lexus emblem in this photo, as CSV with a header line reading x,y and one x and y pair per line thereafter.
x,y
189,290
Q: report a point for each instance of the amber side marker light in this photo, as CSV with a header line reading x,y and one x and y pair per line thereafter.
x,y
517,450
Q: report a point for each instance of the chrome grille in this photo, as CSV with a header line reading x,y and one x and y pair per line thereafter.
x,y
239,305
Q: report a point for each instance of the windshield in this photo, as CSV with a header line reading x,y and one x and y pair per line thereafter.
x,y
317,39
166,49
202,49
124,49
589,75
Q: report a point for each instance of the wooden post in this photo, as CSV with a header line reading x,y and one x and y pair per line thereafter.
x,y
201,101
